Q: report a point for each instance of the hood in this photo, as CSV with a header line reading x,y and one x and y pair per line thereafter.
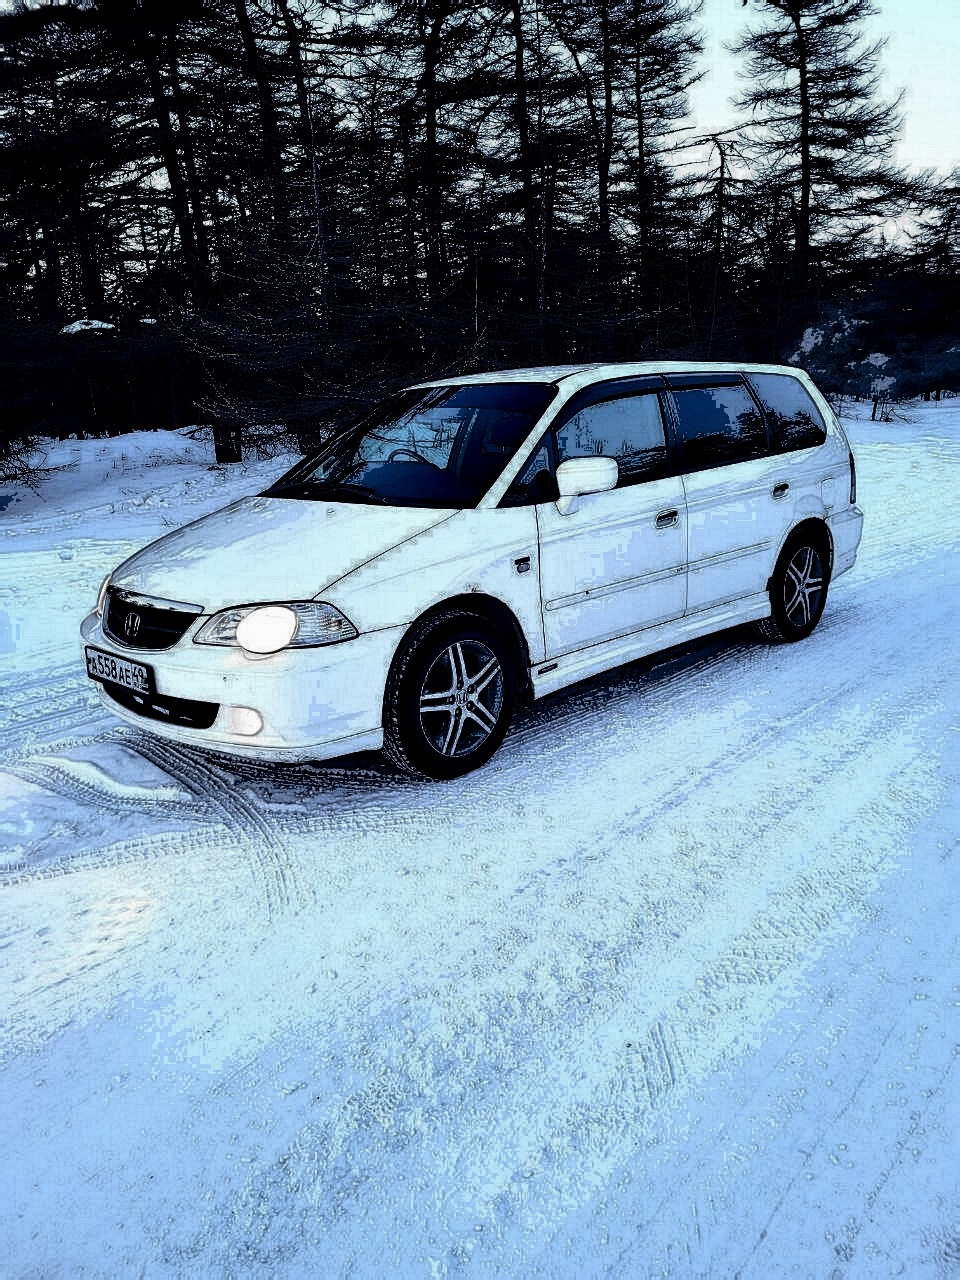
x,y
269,549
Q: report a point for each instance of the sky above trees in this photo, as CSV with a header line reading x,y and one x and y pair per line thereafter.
x,y
922,56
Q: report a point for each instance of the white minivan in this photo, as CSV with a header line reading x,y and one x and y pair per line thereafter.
x,y
478,539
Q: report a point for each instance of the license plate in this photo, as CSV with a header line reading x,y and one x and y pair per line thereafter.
x,y
107,668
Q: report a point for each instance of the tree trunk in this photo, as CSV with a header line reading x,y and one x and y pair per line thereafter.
x,y
430,178
197,268
802,243
528,198
641,177
227,444
605,137
308,147
186,143
270,144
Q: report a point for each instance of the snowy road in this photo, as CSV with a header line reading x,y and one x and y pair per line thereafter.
x,y
670,987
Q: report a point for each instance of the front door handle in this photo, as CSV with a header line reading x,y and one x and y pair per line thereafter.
x,y
781,490
667,518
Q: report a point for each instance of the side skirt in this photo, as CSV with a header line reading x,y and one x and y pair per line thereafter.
x,y
557,673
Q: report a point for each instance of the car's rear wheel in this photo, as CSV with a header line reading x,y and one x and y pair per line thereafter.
x,y
450,696
798,589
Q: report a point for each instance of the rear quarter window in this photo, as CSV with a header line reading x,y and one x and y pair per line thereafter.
x,y
795,421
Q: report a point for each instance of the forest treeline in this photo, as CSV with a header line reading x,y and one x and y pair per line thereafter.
x,y
275,210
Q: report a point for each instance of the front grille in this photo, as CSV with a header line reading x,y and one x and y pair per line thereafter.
x,y
140,622
179,711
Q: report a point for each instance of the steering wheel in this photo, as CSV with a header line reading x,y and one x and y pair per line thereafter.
x,y
410,453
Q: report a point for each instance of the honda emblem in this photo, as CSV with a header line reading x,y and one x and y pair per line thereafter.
x,y
131,625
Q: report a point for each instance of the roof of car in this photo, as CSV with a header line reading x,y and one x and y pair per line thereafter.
x,y
544,373
573,376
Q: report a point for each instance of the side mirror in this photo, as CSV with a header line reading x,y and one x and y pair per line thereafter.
x,y
579,476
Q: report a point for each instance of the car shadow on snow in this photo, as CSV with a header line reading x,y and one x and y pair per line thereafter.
x,y
558,724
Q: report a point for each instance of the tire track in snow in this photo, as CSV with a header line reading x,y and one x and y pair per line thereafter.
x,y
576,1144
153,846
85,788
844,1250
252,827
36,703
71,969
789,920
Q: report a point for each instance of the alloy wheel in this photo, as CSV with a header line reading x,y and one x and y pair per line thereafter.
x,y
461,697
802,586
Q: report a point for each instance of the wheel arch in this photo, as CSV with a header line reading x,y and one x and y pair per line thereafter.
x,y
812,526
479,605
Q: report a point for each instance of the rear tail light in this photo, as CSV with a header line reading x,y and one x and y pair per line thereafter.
x,y
853,479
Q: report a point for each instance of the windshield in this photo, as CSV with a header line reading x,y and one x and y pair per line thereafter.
x,y
433,447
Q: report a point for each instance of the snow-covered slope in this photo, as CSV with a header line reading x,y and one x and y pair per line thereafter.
x,y
668,988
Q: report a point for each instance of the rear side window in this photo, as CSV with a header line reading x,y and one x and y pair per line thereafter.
x,y
718,426
629,428
795,420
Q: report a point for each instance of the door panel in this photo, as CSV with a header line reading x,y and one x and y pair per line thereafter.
x,y
736,519
738,496
613,565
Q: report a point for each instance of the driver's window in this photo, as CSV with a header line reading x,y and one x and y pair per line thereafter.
x,y
629,428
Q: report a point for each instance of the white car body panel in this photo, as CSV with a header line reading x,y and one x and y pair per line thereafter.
x,y
268,549
589,590
606,570
846,529
474,552
734,529
592,661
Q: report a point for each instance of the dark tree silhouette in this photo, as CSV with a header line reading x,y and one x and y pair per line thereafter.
x,y
317,203
818,124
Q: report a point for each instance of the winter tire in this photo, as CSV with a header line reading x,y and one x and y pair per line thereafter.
x,y
798,589
450,696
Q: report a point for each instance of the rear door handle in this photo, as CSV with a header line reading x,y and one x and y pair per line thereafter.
x,y
781,490
667,518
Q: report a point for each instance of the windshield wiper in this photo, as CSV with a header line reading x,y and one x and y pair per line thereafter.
x,y
328,489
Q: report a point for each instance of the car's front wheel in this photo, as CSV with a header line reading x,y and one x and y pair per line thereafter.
x,y
798,589
450,696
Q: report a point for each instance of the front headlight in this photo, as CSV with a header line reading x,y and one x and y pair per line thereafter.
x,y
268,628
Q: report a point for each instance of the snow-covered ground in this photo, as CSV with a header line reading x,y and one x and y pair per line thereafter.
x,y
670,987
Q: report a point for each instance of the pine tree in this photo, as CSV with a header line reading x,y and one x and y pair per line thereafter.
x,y
819,127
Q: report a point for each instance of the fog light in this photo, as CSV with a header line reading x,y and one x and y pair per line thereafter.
x,y
244,720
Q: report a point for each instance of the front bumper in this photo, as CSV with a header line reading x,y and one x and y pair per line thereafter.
x,y
315,703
